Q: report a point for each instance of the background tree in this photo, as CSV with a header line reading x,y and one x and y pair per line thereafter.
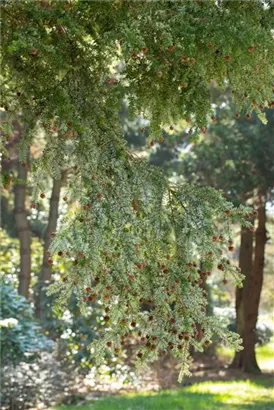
x,y
21,214
237,156
17,171
46,271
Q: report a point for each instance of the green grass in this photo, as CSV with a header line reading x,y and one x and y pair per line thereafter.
x,y
264,354
257,394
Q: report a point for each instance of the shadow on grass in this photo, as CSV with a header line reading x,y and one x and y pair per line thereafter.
x,y
264,380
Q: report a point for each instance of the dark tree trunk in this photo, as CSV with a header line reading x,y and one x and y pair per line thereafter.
x,y
248,298
22,224
253,294
46,270
245,263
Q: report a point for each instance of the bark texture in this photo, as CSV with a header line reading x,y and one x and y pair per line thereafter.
x,y
248,298
46,270
22,223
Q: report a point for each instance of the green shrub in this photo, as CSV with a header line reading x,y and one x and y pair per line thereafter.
x,y
21,337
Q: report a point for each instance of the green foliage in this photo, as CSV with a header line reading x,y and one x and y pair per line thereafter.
x,y
133,238
10,258
121,269
7,216
228,395
134,132
237,155
71,49
73,329
21,337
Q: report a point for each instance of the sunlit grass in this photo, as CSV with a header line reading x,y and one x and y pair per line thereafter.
x,y
264,354
237,392
257,394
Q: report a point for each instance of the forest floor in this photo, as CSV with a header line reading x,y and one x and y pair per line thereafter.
x,y
210,388
255,394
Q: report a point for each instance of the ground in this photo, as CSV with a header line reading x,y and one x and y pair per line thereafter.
x,y
255,394
227,390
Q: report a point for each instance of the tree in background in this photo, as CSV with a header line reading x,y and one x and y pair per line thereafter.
x,y
42,222
17,206
14,170
238,156
131,228
21,214
46,270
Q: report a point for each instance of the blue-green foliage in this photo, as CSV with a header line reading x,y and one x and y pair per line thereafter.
x,y
21,337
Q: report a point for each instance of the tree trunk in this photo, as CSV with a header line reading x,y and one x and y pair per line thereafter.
x,y
248,298
245,264
46,271
22,225
253,295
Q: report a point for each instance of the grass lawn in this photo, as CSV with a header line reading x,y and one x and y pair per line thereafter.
x,y
255,394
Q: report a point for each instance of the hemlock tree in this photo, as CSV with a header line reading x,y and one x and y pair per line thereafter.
x,y
133,238
238,156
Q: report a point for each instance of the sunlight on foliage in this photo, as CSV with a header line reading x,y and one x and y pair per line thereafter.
x,y
137,243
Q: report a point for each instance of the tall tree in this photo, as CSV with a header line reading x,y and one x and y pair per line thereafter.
x,y
22,223
24,232
46,268
248,299
119,238
245,264
243,166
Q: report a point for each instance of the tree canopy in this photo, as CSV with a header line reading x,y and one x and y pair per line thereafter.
x,y
236,155
135,241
